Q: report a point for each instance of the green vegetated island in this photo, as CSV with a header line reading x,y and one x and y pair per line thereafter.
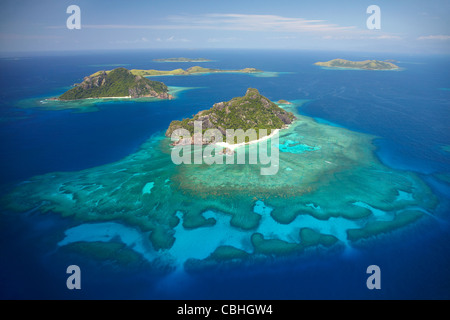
x,y
190,71
363,65
117,83
182,59
252,111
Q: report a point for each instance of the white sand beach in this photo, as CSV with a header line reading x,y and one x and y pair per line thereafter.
x,y
237,145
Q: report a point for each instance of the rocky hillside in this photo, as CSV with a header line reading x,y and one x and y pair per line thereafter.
x,y
252,111
119,82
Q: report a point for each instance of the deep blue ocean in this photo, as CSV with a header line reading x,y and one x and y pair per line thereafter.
x,y
408,110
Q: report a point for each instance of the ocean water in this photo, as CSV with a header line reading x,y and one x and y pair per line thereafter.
x,y
406,110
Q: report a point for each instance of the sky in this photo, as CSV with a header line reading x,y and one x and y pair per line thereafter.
x,y
406,26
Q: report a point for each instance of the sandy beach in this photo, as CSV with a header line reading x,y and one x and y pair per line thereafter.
x,y
237,145
126,97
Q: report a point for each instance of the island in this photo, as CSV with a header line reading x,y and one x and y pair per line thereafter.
x,y
252,111
182,59
117,83
361,65
190,71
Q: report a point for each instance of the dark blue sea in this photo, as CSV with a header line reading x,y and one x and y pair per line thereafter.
x,y
408,111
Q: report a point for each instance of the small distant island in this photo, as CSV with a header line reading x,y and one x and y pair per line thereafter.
x,y
117,83
189,71
362,65
252,111
182,60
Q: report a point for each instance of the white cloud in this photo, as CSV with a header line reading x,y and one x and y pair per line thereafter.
x,y
253,22
434,37
172,39
236,22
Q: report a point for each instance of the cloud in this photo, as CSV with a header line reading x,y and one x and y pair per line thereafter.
x,y
253,22
434,37
172,39
235,22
